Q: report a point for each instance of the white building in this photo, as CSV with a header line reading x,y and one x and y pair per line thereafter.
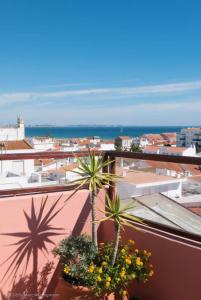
x,y
64,173
159,139
13,133
175,151
18,167
15,173
124,142
136,183
189,136
44,165
42,143
107,145
69,146
94,140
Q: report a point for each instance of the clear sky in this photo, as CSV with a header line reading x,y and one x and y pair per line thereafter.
x,y
131,62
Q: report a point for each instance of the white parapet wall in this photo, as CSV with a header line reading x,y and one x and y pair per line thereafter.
x,y
169,188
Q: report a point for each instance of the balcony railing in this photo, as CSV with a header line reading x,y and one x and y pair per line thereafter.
x,y
112,155
175,253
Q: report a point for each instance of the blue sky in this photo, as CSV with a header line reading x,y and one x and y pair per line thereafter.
x,y
132,62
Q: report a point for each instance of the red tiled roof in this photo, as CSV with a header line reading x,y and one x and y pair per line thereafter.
x,y
197,177
151,136
124,137
196,210
169,135
15,145
193,129
64,169
168,149
139,177
163,137
107,142
179,168
175,149
151,148
45,162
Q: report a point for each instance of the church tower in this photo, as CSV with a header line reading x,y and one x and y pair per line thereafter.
x,y
20,128
20,122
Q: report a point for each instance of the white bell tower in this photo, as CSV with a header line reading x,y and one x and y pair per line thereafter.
x,y
20,122
20,128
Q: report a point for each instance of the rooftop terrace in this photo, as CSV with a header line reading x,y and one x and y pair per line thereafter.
x,y
175,242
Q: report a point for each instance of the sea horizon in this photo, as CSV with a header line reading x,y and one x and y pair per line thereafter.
x,y
103,131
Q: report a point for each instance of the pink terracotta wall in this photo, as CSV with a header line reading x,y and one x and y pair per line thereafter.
x,y
177,266
30,227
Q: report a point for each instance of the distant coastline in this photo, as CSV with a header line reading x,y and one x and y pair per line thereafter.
x,y
104,131
97,125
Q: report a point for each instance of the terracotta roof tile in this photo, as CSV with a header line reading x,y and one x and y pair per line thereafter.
x,y
15,145
196,210
64,169
124,137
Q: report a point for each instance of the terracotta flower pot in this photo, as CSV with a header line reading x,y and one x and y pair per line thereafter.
x,y
66,291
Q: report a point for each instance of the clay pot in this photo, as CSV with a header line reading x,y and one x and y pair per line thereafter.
x,y
66,291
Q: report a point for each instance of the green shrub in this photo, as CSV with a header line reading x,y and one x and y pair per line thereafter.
x,y
76,254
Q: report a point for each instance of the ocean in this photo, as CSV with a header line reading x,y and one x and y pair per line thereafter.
x,y
105,132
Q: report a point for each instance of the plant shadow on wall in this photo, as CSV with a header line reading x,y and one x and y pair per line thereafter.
x,y
30,243
22,288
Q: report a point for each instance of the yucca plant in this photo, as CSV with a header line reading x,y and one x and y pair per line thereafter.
x,y
91,172
121,217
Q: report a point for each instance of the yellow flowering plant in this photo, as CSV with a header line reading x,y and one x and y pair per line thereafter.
x,y
110,267
129,265
103,278
120,263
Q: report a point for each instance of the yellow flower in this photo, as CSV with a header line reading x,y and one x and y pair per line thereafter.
x,y
128,261
133,275
101,244
131,242
104,263
107,283
123,251
108,278
139,262
122,274
91,269
149,254
151,266
66,270
99,278
124,293
136,250
145,252
100,270
151,273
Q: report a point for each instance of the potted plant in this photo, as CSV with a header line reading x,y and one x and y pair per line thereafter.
x,y
76,254
99,271
121,263
107,270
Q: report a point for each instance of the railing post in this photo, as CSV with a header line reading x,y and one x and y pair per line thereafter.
x,y
105,158
112,170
